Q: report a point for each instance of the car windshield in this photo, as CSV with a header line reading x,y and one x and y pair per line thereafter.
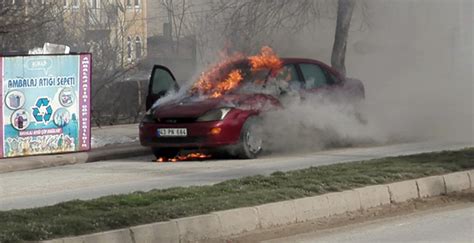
x,y
261,82
253,82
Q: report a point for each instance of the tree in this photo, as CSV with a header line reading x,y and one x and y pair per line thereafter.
x,y
176,12
25,26
249,24
99,27
344,15
107,31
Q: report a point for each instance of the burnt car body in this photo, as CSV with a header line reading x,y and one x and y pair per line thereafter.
x,y
228,122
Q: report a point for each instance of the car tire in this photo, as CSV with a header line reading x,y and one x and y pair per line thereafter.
x,y
251,141
165,152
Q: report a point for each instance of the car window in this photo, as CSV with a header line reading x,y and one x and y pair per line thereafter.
x,y
333,78
289,74
313,75
162,81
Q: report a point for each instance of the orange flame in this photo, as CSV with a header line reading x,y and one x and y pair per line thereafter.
x,y
267,59
230,83
187,157
209,83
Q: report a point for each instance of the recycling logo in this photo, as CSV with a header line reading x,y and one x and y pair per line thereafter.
x,y
42,112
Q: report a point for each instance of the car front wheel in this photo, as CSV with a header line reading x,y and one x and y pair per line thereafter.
x,y
251,141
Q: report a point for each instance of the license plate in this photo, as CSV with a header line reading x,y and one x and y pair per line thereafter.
x,y
172,132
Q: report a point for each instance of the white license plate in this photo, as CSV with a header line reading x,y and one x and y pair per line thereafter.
x,y
172,132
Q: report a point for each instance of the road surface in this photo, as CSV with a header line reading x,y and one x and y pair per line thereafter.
x,y
448,225
25,189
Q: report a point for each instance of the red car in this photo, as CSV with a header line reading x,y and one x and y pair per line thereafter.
x,y
228,120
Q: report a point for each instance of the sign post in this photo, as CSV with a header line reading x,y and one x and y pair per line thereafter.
x,y
45,104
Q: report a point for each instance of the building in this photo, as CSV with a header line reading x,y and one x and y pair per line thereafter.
x,y
157,17
98,26
122,22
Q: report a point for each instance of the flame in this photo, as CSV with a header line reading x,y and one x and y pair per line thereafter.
x,y
234,78
267,59
207,82
213,84
187,157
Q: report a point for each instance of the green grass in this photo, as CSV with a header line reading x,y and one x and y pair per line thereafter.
x,y
112,212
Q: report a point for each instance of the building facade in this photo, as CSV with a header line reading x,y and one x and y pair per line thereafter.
x,y
120,26
122,22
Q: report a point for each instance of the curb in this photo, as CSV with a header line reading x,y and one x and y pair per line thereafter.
x,y
228,223
44,161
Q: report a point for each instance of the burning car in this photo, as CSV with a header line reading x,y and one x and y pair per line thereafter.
x,y
221,110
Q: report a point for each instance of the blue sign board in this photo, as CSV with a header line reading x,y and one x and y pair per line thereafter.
x,y
45,104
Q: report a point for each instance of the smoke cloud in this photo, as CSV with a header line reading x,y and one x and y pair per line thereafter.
x,y
415,58
317,122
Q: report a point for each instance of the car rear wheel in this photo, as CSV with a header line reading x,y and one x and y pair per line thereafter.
x,y
165,152
251,141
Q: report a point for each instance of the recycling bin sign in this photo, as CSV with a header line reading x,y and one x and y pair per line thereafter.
x,y
45,104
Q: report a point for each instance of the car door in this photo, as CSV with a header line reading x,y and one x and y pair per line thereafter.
x,y
161,82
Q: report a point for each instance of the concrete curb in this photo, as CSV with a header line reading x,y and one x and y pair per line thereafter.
x,y
431,186
223,224
457,181
402,191
238,221
44,161
157,232
373,196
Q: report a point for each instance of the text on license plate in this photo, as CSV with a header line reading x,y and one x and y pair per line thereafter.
x,y
172,132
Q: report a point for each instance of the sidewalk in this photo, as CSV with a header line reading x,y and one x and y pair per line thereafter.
x,y
110,142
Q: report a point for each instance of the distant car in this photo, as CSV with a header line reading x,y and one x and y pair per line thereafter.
x,y
228,122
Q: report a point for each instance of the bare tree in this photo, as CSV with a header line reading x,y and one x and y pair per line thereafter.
x,y
25,26
248,24
104,31
176,11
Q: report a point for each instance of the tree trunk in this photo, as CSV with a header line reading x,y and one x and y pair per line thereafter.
x,y
344,15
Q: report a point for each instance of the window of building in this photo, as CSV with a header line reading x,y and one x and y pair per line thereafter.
x,y
129,3
313,75
137,3
129,48
65,3
138,47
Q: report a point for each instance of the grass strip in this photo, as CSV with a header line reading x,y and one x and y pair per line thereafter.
x,y
120,211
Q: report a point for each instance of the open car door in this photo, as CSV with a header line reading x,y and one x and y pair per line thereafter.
x,y
161,82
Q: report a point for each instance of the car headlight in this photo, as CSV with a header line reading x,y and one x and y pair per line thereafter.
x,y
214,115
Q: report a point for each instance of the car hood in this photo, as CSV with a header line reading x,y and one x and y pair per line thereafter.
x,y
193,107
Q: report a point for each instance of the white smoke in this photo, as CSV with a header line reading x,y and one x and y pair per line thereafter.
x,y
317,122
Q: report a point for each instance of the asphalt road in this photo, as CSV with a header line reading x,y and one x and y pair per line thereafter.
x,y
26,189
448,225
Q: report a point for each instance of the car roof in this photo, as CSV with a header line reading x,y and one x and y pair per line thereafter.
x,y
297,60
